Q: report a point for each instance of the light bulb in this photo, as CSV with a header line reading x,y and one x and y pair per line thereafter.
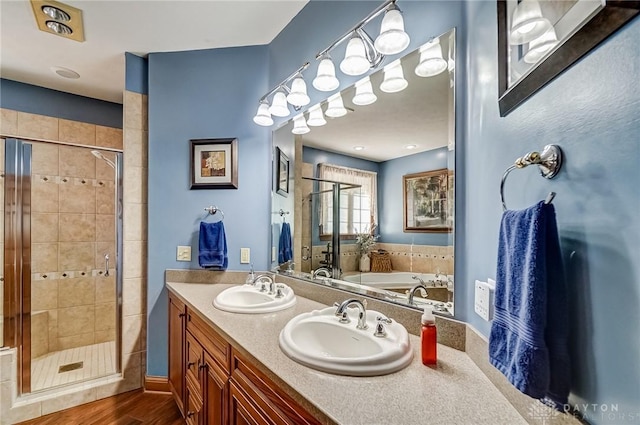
x,y
263,116
393,78
298,95
355,61
392,39
326,77
364,93
431,60
300,125
336,107
279,106
316,117
527,23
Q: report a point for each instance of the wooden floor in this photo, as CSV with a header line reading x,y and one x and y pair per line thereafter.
x,y
132,408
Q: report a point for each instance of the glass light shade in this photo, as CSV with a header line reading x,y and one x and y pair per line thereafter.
x,y
355,61
300,125
326,77
392,39
540,46
316,117
431,60
393,78
527,23
336,107
364,93
279,106
298,95
263,116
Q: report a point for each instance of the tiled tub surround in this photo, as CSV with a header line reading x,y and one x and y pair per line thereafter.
x,y
456,391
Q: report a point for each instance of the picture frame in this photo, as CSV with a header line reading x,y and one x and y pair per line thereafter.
x,y
579,26
213,163
282,173
426,199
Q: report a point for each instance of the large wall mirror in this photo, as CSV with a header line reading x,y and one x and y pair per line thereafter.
x,y
370,206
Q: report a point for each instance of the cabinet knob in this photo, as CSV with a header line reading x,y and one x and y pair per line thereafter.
x,y
190,414
182,314
190,364
203,366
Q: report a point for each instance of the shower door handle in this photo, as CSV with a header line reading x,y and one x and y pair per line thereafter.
x,y
106,267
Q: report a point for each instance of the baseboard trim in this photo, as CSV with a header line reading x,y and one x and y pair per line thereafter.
x,y
158,384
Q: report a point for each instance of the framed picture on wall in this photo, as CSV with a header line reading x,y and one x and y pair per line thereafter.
x,y
282,173
214,163
426,201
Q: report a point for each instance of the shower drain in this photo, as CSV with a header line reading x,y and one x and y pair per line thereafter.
x,y
70,367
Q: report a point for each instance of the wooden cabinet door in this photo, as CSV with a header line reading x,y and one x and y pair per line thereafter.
x,y
241,410
216,384
193,407
177,329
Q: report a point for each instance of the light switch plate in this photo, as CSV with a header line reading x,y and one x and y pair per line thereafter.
x,y
482,305
184,253
245,255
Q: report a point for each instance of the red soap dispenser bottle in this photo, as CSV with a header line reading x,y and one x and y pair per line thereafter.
x,y
429,337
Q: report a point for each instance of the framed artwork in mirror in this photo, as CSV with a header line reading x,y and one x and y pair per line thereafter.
x,y
540,39
426,201
214,163
282,173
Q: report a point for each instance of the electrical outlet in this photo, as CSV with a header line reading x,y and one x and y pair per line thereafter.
x,y
482,305
184,253
245,255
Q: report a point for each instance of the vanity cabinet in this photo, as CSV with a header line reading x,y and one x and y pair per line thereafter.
x,y
213,384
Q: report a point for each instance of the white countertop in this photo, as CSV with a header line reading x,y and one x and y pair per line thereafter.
x,y
454,392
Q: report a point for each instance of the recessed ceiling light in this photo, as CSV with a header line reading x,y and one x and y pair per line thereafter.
x,y
358,148
410,146
59,28
65,72
55,13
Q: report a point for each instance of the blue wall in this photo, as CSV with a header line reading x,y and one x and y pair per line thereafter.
x,y
318,156
390,197
137,74
203,94
52,103
593,112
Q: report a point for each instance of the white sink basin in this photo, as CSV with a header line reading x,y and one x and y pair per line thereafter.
x,y
318,340
249,299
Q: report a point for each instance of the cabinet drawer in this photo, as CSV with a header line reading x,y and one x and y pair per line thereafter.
x,y
279,407
193,415
242,411
213,343
194,359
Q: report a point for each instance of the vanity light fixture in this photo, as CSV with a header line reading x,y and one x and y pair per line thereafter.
x,y
393,78
336,107
300,125
263,117
392,39
326,76
540,46
279,106
364,93
527,23
316,117
431,61
355,61
297,96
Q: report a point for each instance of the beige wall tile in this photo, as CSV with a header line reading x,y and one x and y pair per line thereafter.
x,y
131,333
105,199
76,320
103,248
133,110
77,227
77,162
105,336
136,146
103,169
105,227
135,253
65,401
108,137
44,294
2,159
8,122
44,227
39,334
133,297
77,198
45,159
76,292
44,257
76,132
37,126
105,289
73,341
44,195
54,344
105,316
76,256
25,412
135,185
135,222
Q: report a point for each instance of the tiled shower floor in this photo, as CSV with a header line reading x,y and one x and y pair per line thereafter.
x,y
98,360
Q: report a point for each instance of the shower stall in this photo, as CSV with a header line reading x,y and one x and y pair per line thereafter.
x,y
62,262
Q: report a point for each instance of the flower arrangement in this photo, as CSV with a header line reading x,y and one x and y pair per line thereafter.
x,y
366,240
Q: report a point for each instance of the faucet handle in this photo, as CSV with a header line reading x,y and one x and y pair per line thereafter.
x,y
380,330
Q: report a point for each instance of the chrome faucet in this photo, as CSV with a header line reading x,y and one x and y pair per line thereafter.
x,y
321,270
362,312
413,290
416,277
270,279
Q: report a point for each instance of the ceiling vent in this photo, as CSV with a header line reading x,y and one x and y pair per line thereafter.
x,y
59,19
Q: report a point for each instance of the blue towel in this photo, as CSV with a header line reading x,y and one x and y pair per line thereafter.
x,y
213,246
530,331
285,248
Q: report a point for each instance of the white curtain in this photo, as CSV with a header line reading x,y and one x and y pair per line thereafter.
x,y
368,180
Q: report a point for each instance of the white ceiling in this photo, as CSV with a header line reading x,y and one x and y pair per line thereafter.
x,y
115,27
